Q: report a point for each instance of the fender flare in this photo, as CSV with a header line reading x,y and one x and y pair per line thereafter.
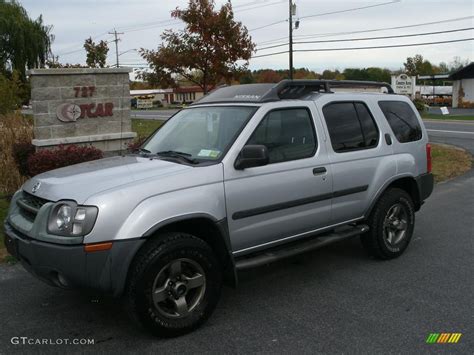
x,y
230,274
384,187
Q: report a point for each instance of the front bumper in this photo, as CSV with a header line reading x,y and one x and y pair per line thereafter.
x,y
70,266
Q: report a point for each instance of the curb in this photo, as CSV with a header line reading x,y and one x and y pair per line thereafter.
x,y
447,120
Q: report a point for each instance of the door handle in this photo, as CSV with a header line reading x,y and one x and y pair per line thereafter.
x,y
319,171
388,139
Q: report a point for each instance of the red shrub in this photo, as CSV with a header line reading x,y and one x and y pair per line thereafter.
x,y
134,145
49,159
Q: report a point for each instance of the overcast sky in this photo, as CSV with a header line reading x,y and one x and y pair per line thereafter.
x,y
142,22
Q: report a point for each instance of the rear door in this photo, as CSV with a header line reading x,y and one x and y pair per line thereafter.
x,y
289,196
361,159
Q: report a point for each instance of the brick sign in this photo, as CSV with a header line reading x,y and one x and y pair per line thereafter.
x,y
69,112
81,106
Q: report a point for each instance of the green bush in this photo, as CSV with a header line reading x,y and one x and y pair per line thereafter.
x,y
419,104
9,94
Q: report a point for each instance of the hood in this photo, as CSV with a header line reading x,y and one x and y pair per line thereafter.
x,y
78,182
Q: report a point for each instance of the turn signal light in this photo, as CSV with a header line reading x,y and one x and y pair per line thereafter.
x,y
90,248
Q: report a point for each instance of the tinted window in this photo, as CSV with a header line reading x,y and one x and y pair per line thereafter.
x,y
287,134
402,119
369,129
350,126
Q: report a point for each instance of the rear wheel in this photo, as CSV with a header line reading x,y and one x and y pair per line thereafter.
x,y
174,284
391,225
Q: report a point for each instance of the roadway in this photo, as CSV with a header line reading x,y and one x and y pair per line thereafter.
x,y
332,300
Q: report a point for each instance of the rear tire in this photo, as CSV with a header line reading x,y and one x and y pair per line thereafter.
x,y
391,225
174,284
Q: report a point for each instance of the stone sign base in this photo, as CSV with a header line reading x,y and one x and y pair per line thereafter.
x,y
81,106
104,142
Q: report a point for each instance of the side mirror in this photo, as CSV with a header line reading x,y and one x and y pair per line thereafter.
x,y
251,156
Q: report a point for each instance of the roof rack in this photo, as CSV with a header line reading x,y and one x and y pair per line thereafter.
x,y
285,89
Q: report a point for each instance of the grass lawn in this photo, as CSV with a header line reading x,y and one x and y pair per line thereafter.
x,y
145,127
448,162
432,116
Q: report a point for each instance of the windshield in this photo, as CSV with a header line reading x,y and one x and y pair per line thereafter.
x,y
200,133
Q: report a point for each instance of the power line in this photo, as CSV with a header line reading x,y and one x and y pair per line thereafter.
x,y
330,34
350,10
259,6
77,50
250,3
327,13
361,48
151,26
74,46
167,22
371,38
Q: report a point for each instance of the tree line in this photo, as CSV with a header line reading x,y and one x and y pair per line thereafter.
x,y
212,48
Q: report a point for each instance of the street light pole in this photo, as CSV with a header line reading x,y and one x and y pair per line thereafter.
x,y
291,38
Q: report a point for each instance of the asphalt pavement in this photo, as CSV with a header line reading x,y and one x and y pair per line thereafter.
x,y
332,300
459,133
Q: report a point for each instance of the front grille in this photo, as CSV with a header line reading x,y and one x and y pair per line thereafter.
x,y
29,205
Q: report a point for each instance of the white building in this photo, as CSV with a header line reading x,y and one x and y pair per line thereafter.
x,y
463,87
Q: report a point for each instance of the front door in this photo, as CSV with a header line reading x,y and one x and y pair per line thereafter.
x,y
289,196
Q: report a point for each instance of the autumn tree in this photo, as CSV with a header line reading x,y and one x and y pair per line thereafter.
x,y
417,65
24,42
96,53
206,52
332,75
304,73
268,76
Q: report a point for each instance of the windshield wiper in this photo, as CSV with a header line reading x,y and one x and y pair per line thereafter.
x,y
176,154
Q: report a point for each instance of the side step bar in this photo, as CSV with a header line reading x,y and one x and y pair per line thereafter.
x,y
283,252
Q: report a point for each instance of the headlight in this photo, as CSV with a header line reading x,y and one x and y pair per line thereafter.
x,y
64,217
69,219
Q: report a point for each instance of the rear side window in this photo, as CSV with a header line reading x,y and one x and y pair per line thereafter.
x,y
350,126
402,119
288,134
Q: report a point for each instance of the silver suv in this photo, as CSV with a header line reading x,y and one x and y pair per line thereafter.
x,y
248,175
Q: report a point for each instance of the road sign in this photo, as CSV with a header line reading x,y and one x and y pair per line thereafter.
x,y
144,103
404,85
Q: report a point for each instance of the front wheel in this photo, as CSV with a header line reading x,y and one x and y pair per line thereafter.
x,y
391,225
174,284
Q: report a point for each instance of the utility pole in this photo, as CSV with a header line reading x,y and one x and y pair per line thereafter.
x,y
291,38
115,33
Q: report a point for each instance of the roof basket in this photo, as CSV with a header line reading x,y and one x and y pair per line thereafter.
x,y
294,89
285,89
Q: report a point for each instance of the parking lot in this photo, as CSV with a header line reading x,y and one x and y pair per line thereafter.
x,y
333,300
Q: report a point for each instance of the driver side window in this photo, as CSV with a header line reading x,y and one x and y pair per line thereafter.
x,y
288,135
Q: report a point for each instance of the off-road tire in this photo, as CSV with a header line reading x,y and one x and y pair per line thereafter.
x,y
375,241
153,257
